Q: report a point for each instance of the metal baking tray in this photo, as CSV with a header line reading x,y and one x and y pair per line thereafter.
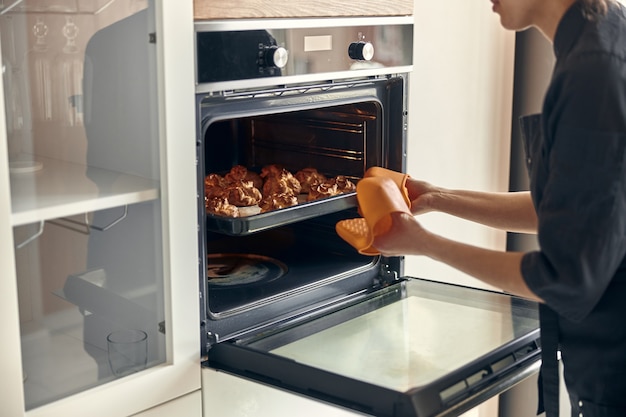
x,y
245,225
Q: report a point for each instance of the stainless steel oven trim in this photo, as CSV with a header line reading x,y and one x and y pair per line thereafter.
x,y
221,88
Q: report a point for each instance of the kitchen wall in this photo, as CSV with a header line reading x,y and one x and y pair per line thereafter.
x,y
460,123
460,115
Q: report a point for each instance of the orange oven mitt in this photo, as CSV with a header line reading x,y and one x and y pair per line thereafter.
x,y
398,177
378,197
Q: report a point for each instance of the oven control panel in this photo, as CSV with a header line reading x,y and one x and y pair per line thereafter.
x,y
303,50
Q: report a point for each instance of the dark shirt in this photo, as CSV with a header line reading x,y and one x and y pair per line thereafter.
x,y
577,166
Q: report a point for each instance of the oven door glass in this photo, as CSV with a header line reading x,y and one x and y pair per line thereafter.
x,y
416,348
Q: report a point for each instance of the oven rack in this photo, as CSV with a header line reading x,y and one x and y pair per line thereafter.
x,y
241,226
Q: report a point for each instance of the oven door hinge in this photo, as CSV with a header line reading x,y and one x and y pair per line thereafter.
x,y
212,338
388,272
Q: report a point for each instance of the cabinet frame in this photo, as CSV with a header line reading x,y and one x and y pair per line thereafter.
x,y
180,374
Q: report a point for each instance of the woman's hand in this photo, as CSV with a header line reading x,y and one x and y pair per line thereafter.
x,y
420,194
405,237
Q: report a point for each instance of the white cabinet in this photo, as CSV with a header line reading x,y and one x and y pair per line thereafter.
x,y
97,206
233,396
189,405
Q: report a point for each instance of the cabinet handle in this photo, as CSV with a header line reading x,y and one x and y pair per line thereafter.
x,y
38,233
85,227
10,6
110,225
74,225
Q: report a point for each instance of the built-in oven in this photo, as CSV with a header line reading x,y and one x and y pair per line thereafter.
x,y
290,115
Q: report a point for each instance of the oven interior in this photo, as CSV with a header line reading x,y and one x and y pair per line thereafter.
x,y
267,268
334,140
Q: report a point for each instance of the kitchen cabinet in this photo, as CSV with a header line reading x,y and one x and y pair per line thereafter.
x,y
189,405
97,184
233,396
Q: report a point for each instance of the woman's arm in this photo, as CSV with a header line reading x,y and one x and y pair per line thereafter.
x,y
499,269
510,211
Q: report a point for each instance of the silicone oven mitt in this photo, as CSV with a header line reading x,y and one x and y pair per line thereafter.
x,y
378,197
398,177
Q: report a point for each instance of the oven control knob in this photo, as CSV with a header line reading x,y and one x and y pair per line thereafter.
x,y
275,56
361,51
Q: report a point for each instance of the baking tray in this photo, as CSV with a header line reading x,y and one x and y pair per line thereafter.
x,y
241,226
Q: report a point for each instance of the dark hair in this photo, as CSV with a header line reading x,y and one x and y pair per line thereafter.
x,y
594,8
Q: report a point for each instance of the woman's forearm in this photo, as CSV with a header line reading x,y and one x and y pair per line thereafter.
x,y
510,211
499,269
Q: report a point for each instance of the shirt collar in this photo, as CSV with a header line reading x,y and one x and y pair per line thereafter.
x,y
569,28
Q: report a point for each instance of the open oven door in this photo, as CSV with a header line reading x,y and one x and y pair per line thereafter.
x,y
416,348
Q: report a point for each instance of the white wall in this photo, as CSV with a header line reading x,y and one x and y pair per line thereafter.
x,y
460,122
460,115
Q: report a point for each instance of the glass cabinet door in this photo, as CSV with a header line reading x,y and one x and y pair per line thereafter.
x,y
86,186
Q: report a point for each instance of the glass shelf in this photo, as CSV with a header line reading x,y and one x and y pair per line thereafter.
x,y
62,189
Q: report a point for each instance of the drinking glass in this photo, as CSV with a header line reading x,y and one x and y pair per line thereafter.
x,y
127,351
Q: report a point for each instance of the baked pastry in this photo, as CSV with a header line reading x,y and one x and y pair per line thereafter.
x,y
309,177
214,180
234,188
277,201
281,185
242,193
323,190
273,189
241,173
277,180
344,185
219,205
333,186
214,186
271,171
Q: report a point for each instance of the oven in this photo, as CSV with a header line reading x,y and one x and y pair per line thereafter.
x,y
284,300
